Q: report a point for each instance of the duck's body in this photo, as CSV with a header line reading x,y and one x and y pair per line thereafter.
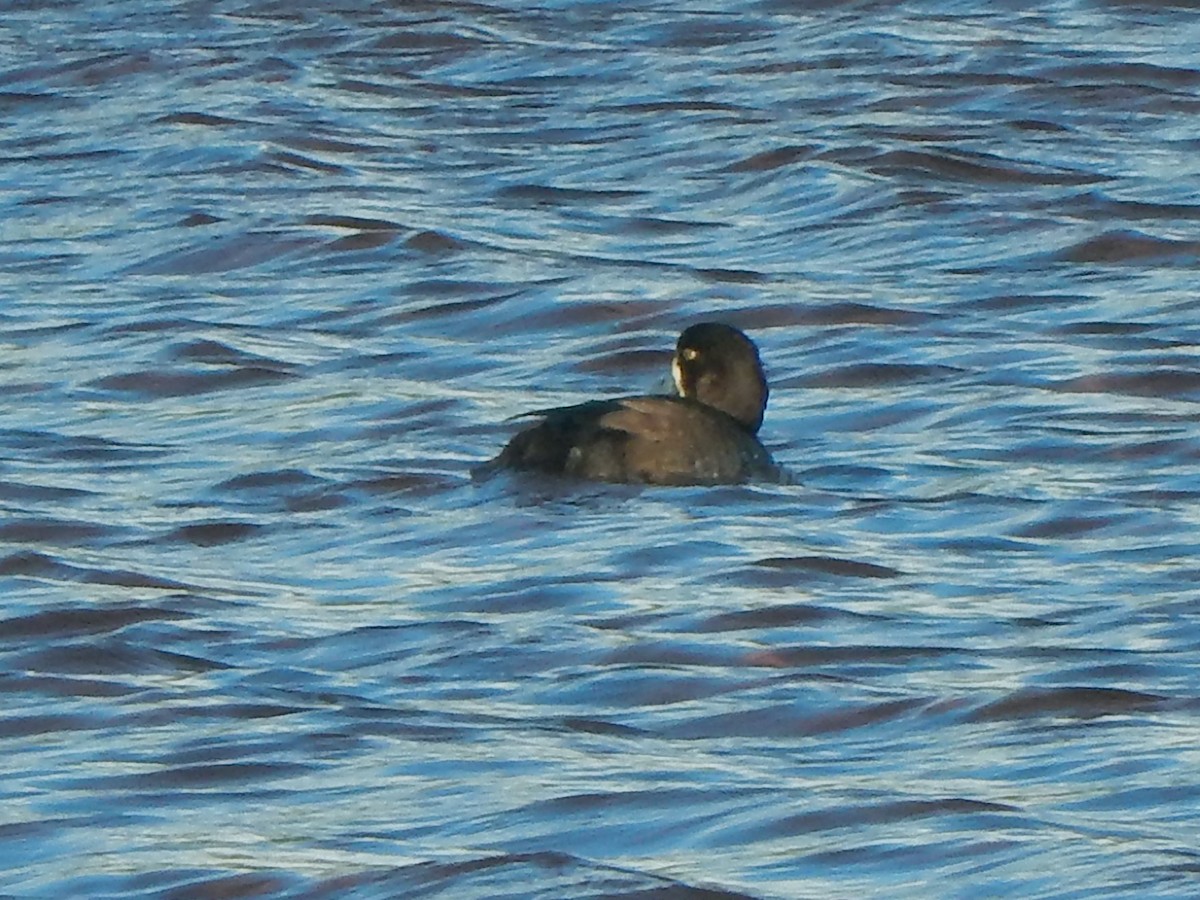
x,y
652,440
706,435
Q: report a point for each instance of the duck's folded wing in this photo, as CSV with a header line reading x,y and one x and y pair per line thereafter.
x,y
577,409
650,418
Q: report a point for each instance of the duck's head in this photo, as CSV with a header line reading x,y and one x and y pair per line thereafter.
x,y
719,366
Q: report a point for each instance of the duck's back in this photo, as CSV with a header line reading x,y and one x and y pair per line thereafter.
x,y
653,440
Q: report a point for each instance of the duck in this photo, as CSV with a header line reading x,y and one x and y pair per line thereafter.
x,y
704,434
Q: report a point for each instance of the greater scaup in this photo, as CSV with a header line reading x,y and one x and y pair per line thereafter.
x,y
705,435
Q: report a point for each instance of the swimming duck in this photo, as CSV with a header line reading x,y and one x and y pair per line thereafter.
x,y
707,434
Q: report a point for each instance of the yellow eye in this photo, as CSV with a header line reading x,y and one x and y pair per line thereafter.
x,y
690,353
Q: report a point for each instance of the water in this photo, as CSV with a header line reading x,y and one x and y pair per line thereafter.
x,y
272,280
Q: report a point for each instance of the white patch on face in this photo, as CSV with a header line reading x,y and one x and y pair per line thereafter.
x,y
677,375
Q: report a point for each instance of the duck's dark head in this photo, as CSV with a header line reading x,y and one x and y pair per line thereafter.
x,y
719,366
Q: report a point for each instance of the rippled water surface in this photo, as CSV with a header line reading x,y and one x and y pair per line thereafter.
x,y
273,278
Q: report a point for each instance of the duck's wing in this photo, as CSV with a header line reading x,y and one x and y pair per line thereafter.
x,y
653,419
577,410
549,445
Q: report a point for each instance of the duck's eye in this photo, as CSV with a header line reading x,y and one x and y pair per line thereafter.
x,y
690,353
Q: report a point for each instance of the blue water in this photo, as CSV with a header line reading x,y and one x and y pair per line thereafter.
x,y
273,280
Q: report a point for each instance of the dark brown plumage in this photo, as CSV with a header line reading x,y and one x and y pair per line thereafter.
x,y
706,435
